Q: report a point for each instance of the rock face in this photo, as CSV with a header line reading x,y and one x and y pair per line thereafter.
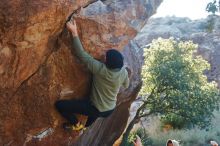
x,y
204,32
37,67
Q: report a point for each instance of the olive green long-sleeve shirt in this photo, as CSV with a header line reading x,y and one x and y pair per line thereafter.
x,y
106,82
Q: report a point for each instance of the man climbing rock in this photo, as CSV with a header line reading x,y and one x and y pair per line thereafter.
x,y
107,79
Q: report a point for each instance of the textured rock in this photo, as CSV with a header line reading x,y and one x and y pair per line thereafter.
x,y
37,67
204,32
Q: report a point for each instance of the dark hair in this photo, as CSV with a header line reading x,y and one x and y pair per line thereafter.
x,y
169,141
114,59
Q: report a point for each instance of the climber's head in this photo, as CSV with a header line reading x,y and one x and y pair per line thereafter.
x,y
114,59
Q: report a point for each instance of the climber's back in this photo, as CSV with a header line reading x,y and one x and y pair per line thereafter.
x,y
105,87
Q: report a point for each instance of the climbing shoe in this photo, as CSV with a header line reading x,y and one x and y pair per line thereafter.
x,y
77,127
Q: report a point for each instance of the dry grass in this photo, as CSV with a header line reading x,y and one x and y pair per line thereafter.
x,y
193,137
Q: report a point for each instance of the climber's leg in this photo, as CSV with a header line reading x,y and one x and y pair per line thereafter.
x,y
93,117
90,120
68,108
106,113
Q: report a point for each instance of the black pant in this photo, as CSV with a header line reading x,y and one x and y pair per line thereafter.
x,y
68,108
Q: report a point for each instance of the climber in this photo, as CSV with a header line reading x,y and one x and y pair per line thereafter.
x,y
107,79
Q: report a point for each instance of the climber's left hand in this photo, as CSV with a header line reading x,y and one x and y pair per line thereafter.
x,y
71,26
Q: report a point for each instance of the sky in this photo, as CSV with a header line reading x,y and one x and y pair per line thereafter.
x,y
194,9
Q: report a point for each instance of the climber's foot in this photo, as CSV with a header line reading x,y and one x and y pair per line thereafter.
x,y
70,127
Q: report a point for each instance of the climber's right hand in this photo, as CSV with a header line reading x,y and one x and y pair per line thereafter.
x,y
71,26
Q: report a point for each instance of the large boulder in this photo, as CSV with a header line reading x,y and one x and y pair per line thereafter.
x,y
37,67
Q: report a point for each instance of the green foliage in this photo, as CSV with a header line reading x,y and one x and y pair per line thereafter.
x,y
212,7
176,121
145,139
173,75
141,132
130,139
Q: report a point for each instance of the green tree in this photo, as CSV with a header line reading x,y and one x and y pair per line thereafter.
x,y
213,7
174,83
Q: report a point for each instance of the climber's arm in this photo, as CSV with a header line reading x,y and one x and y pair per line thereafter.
x,y
128,76
92,64
126,83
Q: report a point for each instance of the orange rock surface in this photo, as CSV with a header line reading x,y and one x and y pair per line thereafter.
x,y
37,67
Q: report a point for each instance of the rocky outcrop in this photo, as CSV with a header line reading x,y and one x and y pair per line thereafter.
x,y
37,67
204,32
